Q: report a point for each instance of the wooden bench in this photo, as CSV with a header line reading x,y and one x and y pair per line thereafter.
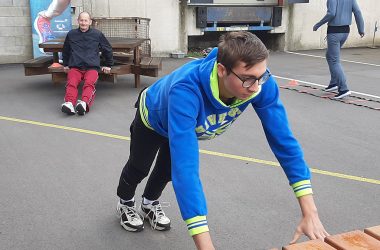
x,y
38,66
354,240
149,66
58,74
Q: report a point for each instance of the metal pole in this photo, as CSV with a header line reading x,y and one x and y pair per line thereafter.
x,y
374,34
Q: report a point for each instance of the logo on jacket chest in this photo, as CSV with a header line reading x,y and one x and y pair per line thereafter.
x,y
216,124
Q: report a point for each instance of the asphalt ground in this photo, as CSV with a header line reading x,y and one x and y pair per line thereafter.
x,y
59,174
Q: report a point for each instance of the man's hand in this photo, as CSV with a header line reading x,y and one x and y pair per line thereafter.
x,y
66,69
106,70
310,224
203,241
315,27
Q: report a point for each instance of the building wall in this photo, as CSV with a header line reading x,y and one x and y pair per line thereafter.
x,y
302,17
172,21
165,18
15,31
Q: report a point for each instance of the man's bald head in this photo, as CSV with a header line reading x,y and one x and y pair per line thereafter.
x,y
84,14
84,21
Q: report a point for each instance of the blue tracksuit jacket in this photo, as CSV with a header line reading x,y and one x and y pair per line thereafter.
x,y
185,106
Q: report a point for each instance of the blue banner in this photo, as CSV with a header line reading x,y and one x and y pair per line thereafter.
x,y
51,19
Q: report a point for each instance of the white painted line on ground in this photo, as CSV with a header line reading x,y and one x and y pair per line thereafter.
x,y
302,54
323,86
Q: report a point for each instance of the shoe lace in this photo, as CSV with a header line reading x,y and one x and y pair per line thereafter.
x,y
158,212
131,212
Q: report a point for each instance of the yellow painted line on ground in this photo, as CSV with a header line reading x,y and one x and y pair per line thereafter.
x,y
207,152
276,164
65,128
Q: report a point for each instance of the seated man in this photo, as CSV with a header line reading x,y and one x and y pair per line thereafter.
x,y
81,62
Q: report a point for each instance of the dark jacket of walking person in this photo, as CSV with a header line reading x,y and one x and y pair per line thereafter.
x,y
339,19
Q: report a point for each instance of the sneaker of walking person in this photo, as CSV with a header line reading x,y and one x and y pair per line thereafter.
x,y
331,87
81,107
342,94
43,29
130,220
156,215
68,108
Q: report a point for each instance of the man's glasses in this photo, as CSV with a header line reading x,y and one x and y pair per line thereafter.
x,y
248,82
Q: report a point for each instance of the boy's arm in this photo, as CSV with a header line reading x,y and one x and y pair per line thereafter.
x,y
331,12
183,109
288,152
310,224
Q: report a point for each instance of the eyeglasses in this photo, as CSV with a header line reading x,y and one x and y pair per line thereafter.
x,y
246,83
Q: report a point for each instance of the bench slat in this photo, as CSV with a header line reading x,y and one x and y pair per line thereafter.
x,y
353,240
309,245
151,63
156,61
373,231
39,62
145,62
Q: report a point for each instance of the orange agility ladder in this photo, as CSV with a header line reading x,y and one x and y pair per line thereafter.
x,y
354,240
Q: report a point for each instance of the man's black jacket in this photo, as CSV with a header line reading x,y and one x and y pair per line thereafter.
x,y
81,49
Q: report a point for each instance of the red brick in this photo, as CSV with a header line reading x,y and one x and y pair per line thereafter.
x,y
373,231
355,240
309,245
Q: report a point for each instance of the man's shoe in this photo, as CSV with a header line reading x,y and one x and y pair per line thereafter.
x,y
43,29
68,108
81,107
331,87
342,94
130,220
156,216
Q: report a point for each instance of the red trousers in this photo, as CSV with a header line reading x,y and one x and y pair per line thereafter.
x,y
74,78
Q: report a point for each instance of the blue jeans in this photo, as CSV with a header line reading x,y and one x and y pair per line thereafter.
x,y
334,42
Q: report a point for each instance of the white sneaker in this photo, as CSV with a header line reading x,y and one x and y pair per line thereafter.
x,y
156,216
81,107
130,220
68,108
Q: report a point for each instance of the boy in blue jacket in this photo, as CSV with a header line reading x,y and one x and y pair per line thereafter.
x,y
339,18
200,100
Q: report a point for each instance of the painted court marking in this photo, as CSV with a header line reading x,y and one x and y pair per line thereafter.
x,y
207,152
309,55
323,86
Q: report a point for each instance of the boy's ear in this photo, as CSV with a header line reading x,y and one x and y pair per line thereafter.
x,y
221,70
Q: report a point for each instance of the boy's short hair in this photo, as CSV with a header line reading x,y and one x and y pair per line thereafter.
x,y
240,46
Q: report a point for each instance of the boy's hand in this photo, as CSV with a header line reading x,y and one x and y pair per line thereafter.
x,y
106,70
310,224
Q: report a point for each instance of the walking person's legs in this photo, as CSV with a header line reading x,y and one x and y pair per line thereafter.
x,y
334,43
74,77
